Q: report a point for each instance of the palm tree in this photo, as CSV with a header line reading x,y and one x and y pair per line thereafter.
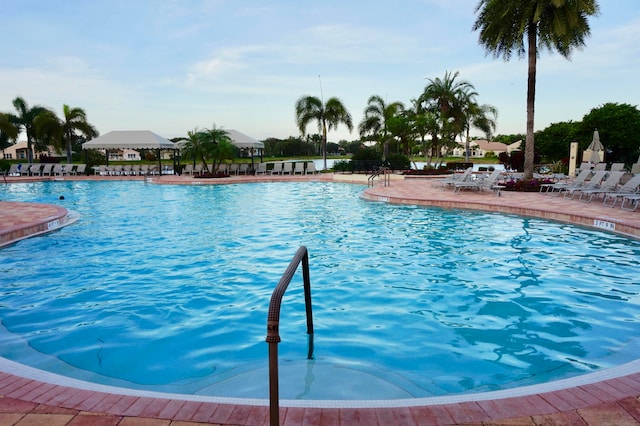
x,y
560,25
328,116
447,99
63,132
25,120
218,146
8,132
208,144
482,117
376,118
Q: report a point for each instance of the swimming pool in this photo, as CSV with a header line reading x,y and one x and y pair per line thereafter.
x,y
408,302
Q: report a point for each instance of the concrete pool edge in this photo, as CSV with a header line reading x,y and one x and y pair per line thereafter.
x,y
35,219
597,377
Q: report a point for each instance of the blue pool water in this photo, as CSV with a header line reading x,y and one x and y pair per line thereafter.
x,y
167,287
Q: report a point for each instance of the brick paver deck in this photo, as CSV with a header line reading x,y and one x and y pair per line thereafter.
x,y
608,400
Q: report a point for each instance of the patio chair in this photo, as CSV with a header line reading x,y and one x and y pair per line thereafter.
x,y
635,168
126,170
287,168
14,170
277,169
311,168
488,182
34,169
79,170
450,180
298,168
47,170
592,183
630,202
243,168
261,169
144,169
234,168
600,167
631,187
609,184
135,169
558,187
57,170
617,167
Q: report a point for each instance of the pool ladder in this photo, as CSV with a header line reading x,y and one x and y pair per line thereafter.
x,y
382,171
273,325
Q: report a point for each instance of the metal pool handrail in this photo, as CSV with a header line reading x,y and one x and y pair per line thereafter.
x,y
273,326
384,171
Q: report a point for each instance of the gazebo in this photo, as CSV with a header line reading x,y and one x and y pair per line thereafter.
x,y
131,139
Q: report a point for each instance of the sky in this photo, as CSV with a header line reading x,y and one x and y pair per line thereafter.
x,y
172,66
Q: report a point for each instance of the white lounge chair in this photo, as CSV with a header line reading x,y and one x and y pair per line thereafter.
x,y
34,169
277,169
449,180
593,183
311,168
617,167
287,168
557,188
261,168
47,170
630,202
135,169
13,170
298,168
608,185
243,168
79,170
234,168
631,187
490,182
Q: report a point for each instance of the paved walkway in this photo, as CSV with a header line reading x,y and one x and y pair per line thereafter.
x,y
599,399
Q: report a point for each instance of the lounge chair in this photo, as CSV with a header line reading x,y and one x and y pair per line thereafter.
x,y
298,168
617,167
34,169
277,169
135,169
600,167
243,168
261,169
79,170
593,183
46,170
14,170
557,188
608,185
311,168
452,179
630,202
631,187
287,168
489,182
126,170
233,168
635,168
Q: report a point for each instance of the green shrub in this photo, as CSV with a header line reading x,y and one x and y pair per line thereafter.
x,y
398,162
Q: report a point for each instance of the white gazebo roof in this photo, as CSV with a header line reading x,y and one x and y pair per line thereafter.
x,y
129,139
243,141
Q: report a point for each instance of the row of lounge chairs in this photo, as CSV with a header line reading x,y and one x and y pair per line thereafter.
x,y
606,184
128,170
46,169
272,168
469,180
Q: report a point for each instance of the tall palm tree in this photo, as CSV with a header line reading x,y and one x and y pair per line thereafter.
x,y
376,118
560,25
25,121
482,117
63,132
328,116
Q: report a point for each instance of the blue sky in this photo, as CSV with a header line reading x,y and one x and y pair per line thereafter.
x,y
171,66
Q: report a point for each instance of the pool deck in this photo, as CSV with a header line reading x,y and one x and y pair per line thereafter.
x,y
608,398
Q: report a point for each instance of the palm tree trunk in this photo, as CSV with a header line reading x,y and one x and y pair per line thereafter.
x,y
324,144
531,99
